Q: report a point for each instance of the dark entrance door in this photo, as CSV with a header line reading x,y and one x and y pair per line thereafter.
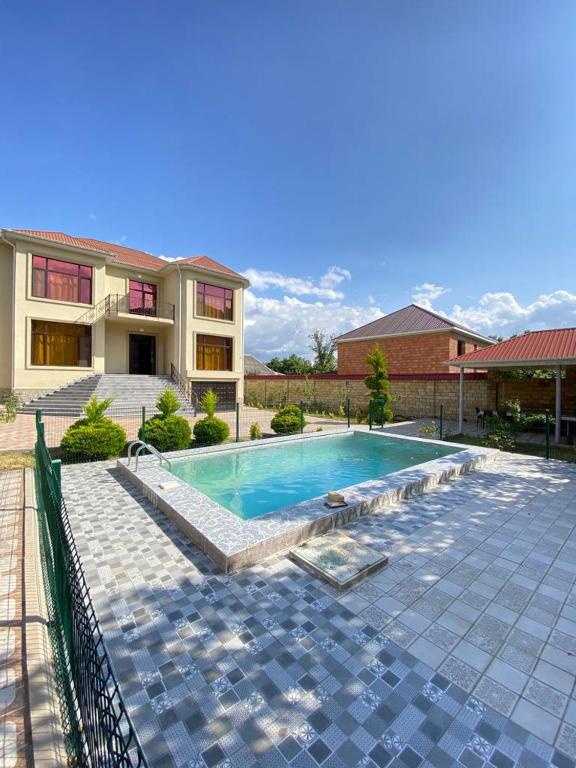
x,y
142,359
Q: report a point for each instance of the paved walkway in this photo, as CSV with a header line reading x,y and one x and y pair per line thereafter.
x,y
13,700
462,652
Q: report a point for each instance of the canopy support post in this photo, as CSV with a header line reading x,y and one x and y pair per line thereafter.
x,y
558,424
461,403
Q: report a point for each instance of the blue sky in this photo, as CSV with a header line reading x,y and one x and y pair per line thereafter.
x,y
365,152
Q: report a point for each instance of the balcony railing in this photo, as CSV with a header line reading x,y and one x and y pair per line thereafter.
x,y
116,303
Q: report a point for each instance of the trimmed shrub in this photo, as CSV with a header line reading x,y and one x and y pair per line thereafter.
x,y
103,439
287,421
255,431
95,437
168,403
209,402
211,431
166,433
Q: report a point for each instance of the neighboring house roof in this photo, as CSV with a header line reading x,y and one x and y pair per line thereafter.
x,y
124,255
409,320
254,367
553,347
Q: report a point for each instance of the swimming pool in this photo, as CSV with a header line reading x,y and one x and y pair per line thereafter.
x,y
251,482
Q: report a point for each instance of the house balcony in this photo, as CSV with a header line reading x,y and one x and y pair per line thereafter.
x,y
119,307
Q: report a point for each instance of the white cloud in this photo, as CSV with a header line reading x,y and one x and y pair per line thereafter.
x,y
298,286
92,216
282,326
425,293
502,314
121,240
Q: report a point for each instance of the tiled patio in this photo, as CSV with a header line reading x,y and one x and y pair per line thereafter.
x,y
14,743
461,652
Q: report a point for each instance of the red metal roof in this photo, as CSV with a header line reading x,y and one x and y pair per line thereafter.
x,y
557,345
410,319
123,254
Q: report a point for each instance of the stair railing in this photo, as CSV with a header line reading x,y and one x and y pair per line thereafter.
x,y
185,387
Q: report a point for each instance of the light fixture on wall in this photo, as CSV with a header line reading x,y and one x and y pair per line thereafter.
x,y
141,330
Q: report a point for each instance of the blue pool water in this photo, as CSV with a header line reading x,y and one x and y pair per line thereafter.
x,y
253,481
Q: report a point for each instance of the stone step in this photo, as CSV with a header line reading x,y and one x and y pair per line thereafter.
x,y
129,393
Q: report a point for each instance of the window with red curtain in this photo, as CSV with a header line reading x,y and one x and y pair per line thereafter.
x,y
214,301
142,298
61,280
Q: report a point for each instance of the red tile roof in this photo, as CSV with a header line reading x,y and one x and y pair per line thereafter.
x,y
205,262
558,345
123,254
411,319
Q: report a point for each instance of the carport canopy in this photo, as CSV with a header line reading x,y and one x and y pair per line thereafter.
x,y
554,349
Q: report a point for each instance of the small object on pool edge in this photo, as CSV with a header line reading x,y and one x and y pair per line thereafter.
x,y
335,499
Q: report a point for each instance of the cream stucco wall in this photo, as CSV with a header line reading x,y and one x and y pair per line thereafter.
x,y
174,343
117,345
196,324
6,290
29,378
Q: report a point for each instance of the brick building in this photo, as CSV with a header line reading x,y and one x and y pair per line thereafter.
x,y
414,340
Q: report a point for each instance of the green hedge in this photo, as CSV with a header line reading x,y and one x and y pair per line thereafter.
x,y
94,441
211,431
288,420
166,433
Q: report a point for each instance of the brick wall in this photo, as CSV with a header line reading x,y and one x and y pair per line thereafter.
x,y
419,395
421,353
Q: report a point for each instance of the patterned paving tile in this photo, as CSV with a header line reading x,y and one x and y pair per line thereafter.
x,y
270,667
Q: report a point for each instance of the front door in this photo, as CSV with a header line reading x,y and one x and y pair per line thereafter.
x,y
142,359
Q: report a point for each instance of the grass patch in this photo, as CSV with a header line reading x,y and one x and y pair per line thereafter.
x,y
560,452
16,460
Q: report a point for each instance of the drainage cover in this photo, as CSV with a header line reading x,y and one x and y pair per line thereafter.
x,y
338,559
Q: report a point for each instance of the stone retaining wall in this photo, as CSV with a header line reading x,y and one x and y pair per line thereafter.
x,y
419,395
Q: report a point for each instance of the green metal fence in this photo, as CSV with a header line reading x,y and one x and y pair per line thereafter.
x,y
97,729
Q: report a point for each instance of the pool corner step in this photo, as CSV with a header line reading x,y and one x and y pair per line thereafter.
x,y
338,559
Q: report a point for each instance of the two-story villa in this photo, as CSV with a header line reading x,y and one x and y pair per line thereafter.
x,y
72,306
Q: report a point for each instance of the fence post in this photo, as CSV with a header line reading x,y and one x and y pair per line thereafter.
x,y
57,467
547,433
144,423
237,422
441,428
348,411
301,417
370,414
39,424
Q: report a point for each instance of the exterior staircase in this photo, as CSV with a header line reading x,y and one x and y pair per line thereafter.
x,y
128,393
66,401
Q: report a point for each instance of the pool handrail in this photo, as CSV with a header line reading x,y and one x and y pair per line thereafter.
x,y
153,451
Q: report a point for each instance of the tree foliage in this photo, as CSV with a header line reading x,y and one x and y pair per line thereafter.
x,y
378,382
294,364
323,347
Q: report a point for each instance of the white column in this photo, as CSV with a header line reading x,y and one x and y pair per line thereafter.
x,y
461,403
558,427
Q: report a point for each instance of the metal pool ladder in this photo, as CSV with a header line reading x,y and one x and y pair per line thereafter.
x,y
153,451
